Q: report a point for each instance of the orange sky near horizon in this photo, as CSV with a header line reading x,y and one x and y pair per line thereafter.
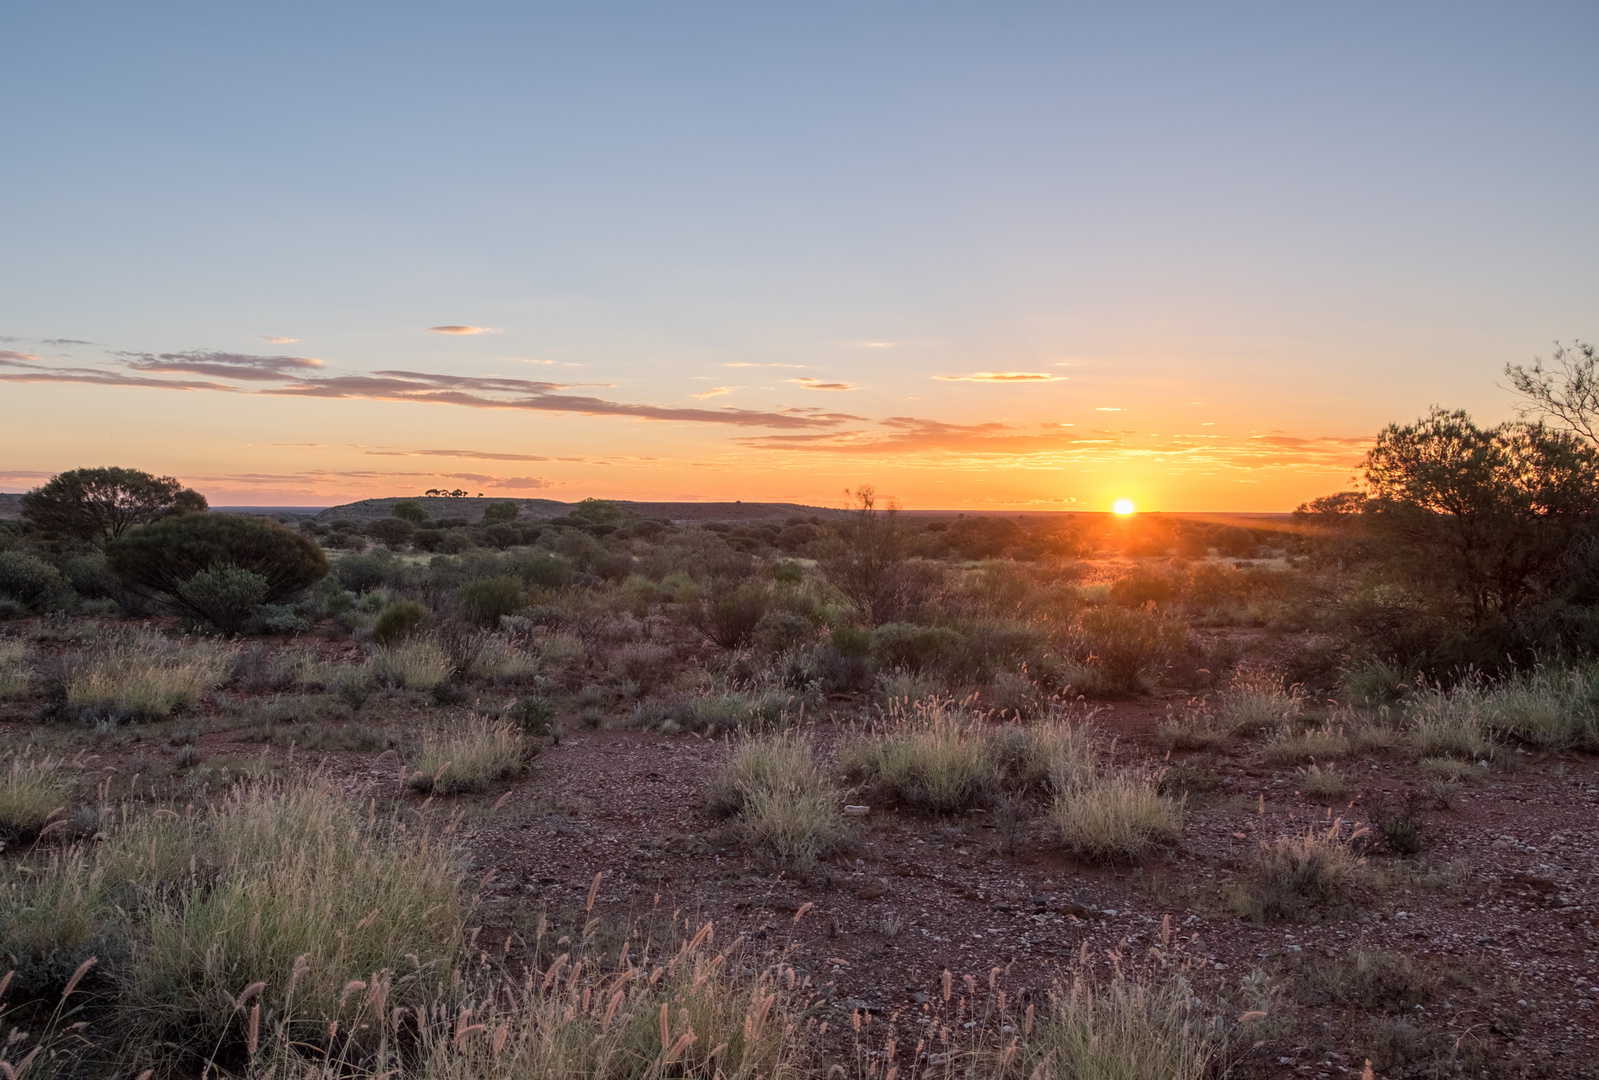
x,y
251,430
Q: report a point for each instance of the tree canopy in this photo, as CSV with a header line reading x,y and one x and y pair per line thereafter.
x,y
1491,511
102,504
164,556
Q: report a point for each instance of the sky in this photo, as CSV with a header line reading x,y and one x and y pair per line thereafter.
x,y
980,256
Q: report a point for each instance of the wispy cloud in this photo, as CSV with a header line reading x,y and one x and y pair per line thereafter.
x,y
1109,408
817,384
461,329
474,455
222,365
279,340
64,341
1002,377
715,391
298,376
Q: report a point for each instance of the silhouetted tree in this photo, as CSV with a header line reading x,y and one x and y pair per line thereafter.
x,y
101,504
1490,511
1567,391
866,556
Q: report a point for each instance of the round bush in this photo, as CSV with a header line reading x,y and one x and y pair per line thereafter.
x,y
165,555
362,573
28,579
483,601
225,596
399,620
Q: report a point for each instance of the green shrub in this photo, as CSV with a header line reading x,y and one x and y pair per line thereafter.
x,y
850,641
780,631
363,573
30,580
532,714
500,513
730,618
163,556
485,600
917,648
410,510
1130,648
391,531
398,621
543,570
1139,587
226,596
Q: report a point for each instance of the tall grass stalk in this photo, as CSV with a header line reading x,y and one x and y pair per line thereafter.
x,y
142,676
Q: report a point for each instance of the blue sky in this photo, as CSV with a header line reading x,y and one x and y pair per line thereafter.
x,y
1218,222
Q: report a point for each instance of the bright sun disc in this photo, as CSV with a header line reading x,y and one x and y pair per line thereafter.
x,y
1124,506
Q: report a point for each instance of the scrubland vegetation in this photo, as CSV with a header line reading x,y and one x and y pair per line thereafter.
x,y
257,779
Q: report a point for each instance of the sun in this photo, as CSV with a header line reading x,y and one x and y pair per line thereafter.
x,y
1124,507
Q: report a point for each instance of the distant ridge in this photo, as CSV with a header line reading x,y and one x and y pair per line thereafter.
x,y
472,509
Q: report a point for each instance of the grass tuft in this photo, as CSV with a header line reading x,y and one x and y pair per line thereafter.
x,y
480,753
1295,875
139,675
1116,816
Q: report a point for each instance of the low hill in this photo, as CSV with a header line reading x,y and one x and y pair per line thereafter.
x,y
472,509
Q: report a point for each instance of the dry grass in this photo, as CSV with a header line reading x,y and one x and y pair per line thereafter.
x,y
13,669
1116,816
1551,707
1196,729
31,793
471,758
139,675
1294,875
1449,723
1255,700
931,758
1321,743
785,805
1323,784
418,663
1120,1028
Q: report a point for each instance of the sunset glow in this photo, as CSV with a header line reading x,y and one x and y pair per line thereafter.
x,y
971,269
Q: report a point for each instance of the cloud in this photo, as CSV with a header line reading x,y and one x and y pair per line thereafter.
x,y
63,341
1002,377
1109,408
298,376
525,482
279,340
462,329
907,434
817,384
715,391
474,455
222,365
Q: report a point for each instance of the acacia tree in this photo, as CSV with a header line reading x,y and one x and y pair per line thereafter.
x,y
1491,512
865,558
1566,391
102,504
